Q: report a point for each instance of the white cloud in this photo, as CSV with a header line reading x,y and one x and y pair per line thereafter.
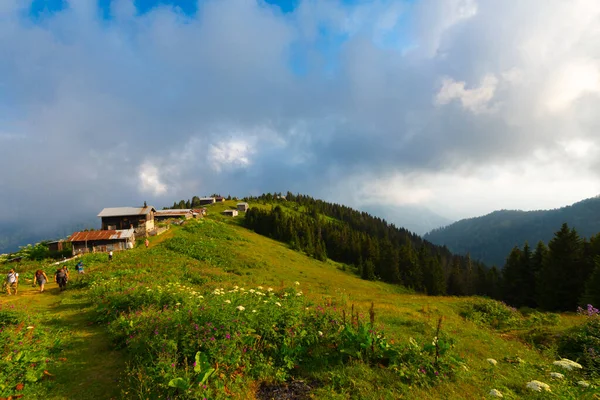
x,y
475,100
150,181
572,81
230,153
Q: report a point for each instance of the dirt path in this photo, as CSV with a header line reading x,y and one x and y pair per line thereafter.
x,y
87,367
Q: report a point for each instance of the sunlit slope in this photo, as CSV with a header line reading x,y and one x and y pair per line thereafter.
x,y
254,260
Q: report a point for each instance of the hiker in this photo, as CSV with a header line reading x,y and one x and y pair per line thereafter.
x,y
110,255
40,278
12,281
79,267
61,277
147,243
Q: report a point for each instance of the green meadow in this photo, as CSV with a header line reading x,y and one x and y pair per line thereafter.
x,y
212,310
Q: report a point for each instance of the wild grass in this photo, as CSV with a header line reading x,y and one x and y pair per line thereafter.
x,y
126,308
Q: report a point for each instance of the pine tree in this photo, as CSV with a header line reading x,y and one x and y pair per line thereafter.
x,y
368,270
592,287
528,278
456,284
561,281
511,278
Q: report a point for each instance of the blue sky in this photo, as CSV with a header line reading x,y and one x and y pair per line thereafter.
x,y
327,43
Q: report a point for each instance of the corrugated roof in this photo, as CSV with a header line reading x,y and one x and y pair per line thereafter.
x,y
101,235
125,211
162,213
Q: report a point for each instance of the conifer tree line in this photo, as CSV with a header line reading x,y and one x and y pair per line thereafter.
x,y
193,203
561,276
377,249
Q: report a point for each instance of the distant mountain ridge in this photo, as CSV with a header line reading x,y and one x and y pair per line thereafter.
x,y
419,220
491,237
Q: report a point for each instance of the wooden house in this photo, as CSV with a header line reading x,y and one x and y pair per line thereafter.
x,y
243,207
162,215
102,241
141,219
199,212
231,213
207,200
219,199
55,246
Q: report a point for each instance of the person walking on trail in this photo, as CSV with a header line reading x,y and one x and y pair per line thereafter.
x,y
110,254
60,277
147,242
79,267
12,281
40,278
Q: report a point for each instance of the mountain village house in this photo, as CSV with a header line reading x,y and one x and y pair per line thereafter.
x,y
207,200
243,207
231,213
141,219
102,241
199,212
162,215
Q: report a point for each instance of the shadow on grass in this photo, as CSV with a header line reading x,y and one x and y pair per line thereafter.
x,y
87,366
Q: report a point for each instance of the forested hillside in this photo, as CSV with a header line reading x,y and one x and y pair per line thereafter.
x,y
490,238
378,250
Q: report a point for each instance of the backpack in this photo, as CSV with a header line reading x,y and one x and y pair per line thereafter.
x,y
61,274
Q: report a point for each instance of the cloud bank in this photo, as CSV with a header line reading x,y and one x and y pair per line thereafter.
x,y
460,106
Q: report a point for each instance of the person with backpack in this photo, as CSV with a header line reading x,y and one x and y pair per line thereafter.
x,y
40,278
79,267
12,281
61,277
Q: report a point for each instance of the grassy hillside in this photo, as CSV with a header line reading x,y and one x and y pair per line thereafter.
x,y
491,237
166,322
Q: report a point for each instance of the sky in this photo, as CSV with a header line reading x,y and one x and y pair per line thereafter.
x,y
460,107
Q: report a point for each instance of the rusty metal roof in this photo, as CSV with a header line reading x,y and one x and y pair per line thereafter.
x,y
164,213
101,235
125,211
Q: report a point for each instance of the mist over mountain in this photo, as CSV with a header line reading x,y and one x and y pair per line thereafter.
x,y
491,237
417,219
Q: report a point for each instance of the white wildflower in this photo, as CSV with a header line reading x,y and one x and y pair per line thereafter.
x,y
320,333
201,296
177,304
251,290
538,386
253,310
241,308
228,301
567,364
260,288
296,283
299,294
265,301
285,295
495,393
242,289
236,287
583,384
557,375
270,289
30,327
278,303
492,361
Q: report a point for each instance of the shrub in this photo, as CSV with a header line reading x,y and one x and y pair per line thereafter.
x,y
492,313
192,345
582,343
25,350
